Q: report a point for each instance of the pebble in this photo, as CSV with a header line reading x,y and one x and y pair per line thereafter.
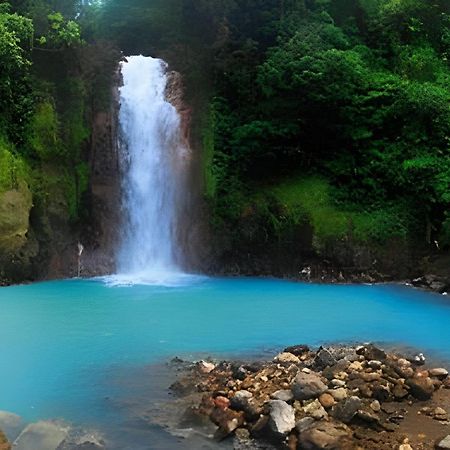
x,y
438,372
327,400
444,444
339,394
337,383
375,406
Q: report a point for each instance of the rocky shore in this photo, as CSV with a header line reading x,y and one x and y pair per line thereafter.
x,y
340,397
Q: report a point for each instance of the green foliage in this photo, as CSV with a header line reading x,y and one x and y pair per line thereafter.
x,y
13,169
44,132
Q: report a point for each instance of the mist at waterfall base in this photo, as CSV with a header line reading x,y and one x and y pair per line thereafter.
x,y
154,163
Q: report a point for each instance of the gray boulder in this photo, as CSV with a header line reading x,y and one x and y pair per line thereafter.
x,y
346,409
307,385
281,417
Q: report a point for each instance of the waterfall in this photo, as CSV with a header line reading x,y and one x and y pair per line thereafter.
x,y
154,163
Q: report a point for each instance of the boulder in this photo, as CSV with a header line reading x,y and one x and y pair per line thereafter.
x,y
421,388
286,357
227,420
307,385
438,373
297,350
323,359
281,417
240,400
370,352
286,395
444,444
205,367
305,423
346,409
325,435
43,435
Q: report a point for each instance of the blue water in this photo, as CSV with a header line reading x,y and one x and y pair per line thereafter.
x,y
62,343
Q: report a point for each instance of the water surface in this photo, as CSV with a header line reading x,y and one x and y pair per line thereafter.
x,y
69,348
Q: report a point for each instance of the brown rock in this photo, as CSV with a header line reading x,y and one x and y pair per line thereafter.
x,y
227,420
421,388
222,402
327,400
324,435
4,444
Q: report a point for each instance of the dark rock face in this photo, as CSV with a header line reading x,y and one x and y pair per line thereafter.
x,y
345,410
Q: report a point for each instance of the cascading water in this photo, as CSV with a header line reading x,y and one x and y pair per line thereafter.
x,y
154,163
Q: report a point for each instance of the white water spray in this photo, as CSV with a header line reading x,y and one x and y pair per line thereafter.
x,y
154,164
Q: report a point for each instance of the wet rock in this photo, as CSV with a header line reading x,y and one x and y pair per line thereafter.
x,y
399,391
323,359
327,400
324,435
205,366
305,423
11,424
240,400
287,357
81,440
227,420
421,388
370,352
438,373
286,395
297,350
222,402
307,385
346,409
4,444
41,435
444,444
281,417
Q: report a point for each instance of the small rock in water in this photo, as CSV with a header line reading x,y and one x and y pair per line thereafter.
x,y
307,385
281,417
297,350
205,366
